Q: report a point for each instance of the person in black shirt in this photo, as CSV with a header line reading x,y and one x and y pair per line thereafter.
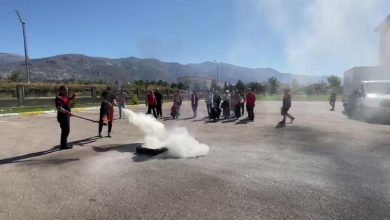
x,y
286,107
159,99
332,100
63,115
104,114
110,99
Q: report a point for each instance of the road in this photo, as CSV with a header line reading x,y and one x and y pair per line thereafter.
x,y
324,166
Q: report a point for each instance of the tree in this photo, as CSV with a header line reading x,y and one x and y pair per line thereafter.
x,y
296,86
256,87
16,76
316,88
182,86
273,84
240,86
334,82
225,86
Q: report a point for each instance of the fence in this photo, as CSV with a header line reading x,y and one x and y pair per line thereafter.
x,y
43,95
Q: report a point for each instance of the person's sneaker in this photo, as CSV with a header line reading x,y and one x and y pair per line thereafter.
x,y
109,135
291,121
282,122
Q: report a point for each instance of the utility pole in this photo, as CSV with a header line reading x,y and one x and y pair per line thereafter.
x,y
26,60
217,70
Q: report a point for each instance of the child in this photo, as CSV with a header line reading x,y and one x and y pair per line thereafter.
x,y
104,114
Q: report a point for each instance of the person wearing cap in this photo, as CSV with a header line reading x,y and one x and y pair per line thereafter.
x,y
250,104
286,106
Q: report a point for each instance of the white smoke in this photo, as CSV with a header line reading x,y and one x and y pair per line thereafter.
x,y
317,37
178,141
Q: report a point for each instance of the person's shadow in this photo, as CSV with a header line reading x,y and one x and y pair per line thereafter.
x,y
283,125
242,121
24,158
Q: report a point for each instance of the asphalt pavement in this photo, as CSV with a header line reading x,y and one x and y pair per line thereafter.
x,y
323,166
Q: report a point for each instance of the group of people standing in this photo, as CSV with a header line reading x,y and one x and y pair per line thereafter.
x,y
231,105
231,102
154,101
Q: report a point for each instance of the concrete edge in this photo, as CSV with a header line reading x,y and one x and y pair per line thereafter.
x,y
54,111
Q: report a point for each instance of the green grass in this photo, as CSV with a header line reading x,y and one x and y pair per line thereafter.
x,y
5,110
24,109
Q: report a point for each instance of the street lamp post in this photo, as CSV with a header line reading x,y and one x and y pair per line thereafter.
x,y
25,46
217,70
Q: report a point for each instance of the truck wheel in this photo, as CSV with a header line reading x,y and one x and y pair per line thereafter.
x,y
364,114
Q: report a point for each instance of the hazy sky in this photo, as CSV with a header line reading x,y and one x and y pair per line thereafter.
x,y
312,37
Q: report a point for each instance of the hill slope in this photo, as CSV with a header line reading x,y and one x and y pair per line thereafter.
x,y
81,67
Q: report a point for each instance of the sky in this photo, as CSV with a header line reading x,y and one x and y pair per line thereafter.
x,y
311,37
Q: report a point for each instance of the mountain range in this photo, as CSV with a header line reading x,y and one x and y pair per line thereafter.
x,y
81,67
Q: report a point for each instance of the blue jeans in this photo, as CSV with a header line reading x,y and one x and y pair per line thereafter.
x,y
120,106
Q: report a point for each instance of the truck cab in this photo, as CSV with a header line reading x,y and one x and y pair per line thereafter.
x,y
366,92
372,99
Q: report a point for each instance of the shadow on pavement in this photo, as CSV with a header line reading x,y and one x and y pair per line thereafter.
x,y
23,158
242,122
280,126
130,148
188,118
201,119
166,118
230,120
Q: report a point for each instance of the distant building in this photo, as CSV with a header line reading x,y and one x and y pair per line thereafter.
x,y
198,83
384,42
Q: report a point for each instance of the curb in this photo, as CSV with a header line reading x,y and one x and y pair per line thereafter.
x,y
54,111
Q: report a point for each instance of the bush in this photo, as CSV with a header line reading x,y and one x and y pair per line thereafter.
x,y
134,99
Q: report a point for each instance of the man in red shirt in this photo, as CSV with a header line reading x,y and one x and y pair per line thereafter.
x,y
151,102
250,104
63,115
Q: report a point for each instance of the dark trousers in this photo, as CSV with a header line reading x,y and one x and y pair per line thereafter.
x,y
150,109
242,108
237,111
120,106
251,114
65,130
332,103
159,109
209,106
109,124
